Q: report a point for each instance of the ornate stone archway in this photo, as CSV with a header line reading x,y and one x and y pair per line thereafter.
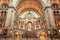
x,y
29,4
35,5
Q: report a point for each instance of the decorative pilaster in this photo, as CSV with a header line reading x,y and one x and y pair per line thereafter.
x,y
51,17
8,18
47,19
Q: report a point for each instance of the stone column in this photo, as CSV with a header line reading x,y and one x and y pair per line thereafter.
x,y
50,14
47,20
48,3
8,18
13,18
51,17
11,3
8,21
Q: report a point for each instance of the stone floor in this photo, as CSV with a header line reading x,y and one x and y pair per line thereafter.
x,y
24,39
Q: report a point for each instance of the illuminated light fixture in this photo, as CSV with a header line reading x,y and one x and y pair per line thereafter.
x,y
29,29
1,31
59,30
57,23
11,31
29,15
19,27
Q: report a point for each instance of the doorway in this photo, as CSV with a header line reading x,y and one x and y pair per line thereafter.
x,y
29,34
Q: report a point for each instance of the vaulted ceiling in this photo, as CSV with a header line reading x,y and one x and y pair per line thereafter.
x,y
4,1
29,4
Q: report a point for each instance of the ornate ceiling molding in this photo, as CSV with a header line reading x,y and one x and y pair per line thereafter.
x,y
55,1
4,1
29,4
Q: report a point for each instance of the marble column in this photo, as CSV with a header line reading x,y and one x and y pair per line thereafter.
x,y
8,18
12,17
47,19
51,17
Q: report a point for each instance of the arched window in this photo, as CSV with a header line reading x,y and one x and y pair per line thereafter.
x,y
3,17
56,13
3,13
2,23
4,5
55,6
29,14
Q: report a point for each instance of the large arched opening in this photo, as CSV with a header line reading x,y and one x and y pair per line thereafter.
x,y
29,17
